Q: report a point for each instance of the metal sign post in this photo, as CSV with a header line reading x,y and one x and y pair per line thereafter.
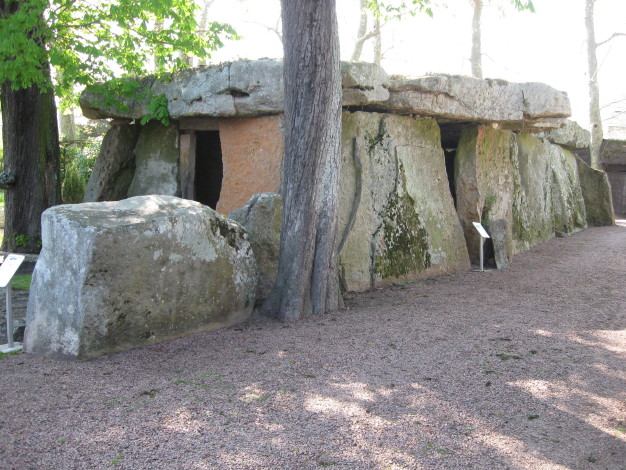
x,y
7,271
483,235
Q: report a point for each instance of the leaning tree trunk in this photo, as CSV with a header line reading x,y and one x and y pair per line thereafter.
x,y
595,119
307,280
31,153
476,58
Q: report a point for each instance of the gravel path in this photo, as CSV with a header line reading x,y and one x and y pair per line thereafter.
x,y
518,369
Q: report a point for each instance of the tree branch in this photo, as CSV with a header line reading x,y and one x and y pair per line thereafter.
x,y
613,36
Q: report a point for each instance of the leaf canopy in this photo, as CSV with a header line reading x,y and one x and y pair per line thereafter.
x,y
88,41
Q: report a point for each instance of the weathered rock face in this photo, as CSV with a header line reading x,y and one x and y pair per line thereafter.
x,y
613,155
261,218
252,153
484,179
596,190
570,136
548,199
618,191
156,160
396,214
236,89
115,167
519,106
252,88
118,275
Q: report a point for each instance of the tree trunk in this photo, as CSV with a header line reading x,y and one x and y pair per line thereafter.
x,y
360,35
307,280
476,58
31,152
378,44
595,119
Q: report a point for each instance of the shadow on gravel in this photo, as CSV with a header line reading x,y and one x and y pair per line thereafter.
x,y
521,369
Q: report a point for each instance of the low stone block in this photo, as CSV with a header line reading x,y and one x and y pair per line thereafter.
x,y
261,217
118,275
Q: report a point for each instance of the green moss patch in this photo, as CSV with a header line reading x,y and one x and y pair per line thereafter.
x,y
405,238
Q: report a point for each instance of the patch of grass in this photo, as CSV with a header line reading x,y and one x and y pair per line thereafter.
x,y
592,459
12,353
506,357
325,463
61,441
22,282
531,417
116,461
149,393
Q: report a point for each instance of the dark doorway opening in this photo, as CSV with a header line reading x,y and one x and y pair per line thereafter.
x,y
450,154
450,136
209,168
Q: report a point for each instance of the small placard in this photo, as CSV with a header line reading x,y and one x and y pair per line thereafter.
x,y
9,268
481,230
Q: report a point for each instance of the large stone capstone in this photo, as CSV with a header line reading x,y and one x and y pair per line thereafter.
x,y
248,88
117,275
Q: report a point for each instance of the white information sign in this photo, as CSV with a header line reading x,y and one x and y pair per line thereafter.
x,y
9,267
481,230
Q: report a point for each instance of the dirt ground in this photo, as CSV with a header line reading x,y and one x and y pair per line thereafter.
x,y
516,369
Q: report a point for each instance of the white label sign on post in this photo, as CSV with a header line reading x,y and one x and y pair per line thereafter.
x,y
7,271
9,268
481,230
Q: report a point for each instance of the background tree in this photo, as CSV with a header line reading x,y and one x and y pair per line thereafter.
x,y
476,54
595,117
382,13
83,42
307,280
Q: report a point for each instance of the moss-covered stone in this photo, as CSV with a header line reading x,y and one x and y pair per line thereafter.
x,y
485,183
405,247
396,214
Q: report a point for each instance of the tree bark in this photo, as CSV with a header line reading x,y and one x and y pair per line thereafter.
x,y
307,279
595,119
31,152
476,58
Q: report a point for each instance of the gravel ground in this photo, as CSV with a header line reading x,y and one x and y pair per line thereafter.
x,y
518,369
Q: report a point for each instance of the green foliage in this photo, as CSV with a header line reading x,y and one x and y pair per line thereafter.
x,y
22,282
89,42
158,110
396,9
521,5
83,156
73,188
20,240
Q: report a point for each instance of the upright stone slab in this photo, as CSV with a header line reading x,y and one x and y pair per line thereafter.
x,y
117,275
396,214
618,191
597,195
115,167
262,217
156,159
484,180
549,200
